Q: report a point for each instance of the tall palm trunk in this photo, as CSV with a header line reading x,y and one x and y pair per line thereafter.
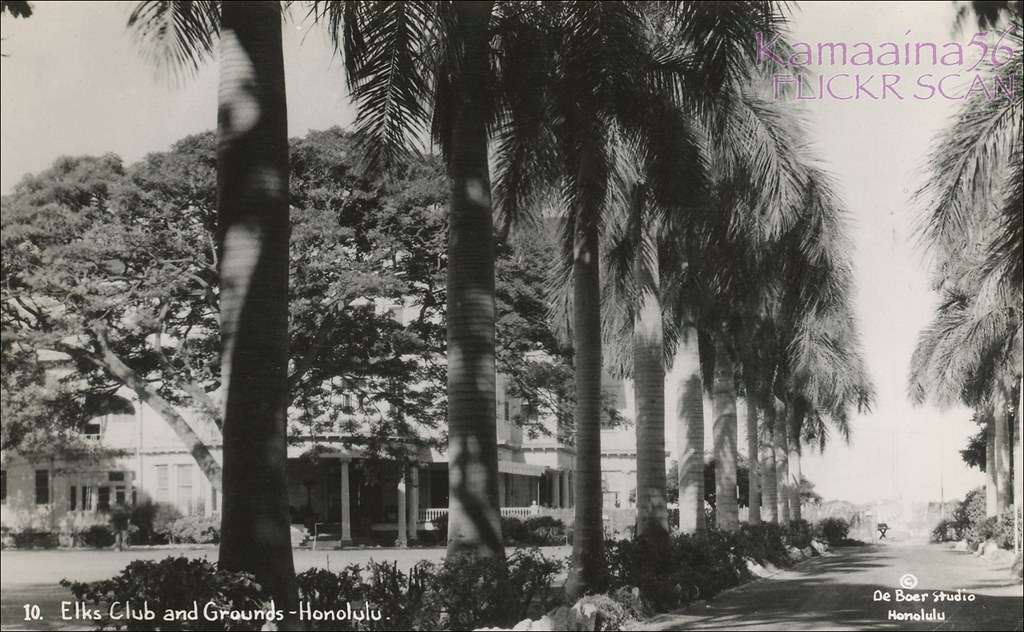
x,y
474,520
1018,456
726,508
588,572
649,385
754,461
689,408
991,493
796,422
769,482
252,200
782,465
1004,458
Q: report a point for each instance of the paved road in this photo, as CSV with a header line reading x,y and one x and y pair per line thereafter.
x,y
839,593
30,578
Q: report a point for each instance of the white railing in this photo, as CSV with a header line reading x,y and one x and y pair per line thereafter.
x,y
427,515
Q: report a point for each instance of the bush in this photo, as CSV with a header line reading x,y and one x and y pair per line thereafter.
x,y
833,531
969,516
35,539
98,536
514,530
762,542
799,534
461,593
163,517
175,583
670,571
381,587
945,531
467,593
998,529
971,523
195,530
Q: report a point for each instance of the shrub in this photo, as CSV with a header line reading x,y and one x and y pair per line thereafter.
x,y
98,536
670,571
514,530
538,522
35,539
762,542
969,516
195,530
380,587
833,531
164,516
945,531
470,592
998,529
141,518
175,583
799,534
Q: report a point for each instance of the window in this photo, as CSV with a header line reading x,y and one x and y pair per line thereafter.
x,y
103,498
3,486
163,484
115,477
185,488
86,498
119,495
42,487
92,430
73,498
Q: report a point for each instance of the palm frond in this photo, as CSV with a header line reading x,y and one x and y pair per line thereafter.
x,y
176,37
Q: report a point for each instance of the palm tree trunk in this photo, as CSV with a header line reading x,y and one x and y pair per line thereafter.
x,y
1018,456
474,520
796,421
754,461
689,389
782,466
991,503
769,482
252,200
1004,478
649,385
726,509
588,567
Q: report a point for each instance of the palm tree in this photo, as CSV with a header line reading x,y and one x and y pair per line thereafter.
x,y
414,66
974,229
252,194
253,234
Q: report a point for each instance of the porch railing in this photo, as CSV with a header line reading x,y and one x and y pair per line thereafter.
x,y
563,513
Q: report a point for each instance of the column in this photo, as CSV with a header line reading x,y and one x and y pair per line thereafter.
x,y
414,501
346,508
402,509
556,489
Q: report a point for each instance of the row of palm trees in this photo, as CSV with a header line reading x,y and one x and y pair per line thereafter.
x,y
642,127
971,352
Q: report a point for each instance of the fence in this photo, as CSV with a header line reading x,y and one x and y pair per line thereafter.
x,y
565,514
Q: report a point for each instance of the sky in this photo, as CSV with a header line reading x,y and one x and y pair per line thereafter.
x,y
73,82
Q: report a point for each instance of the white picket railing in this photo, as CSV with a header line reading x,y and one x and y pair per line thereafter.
x,y
427,515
